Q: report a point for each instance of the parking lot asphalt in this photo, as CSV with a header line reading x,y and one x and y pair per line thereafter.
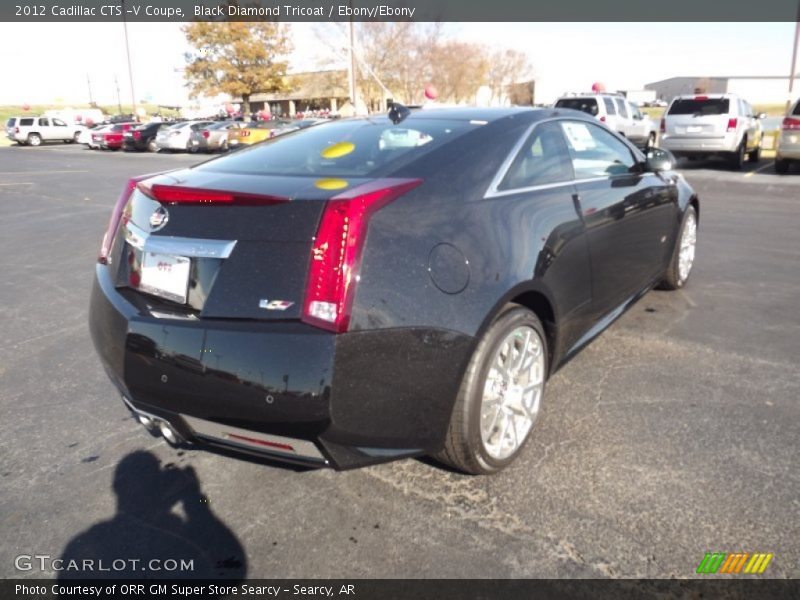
x,y
673,434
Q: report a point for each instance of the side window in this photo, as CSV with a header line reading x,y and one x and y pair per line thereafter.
x,y
596,152
59,123
609,105
543,158
26,122
621,107
44,122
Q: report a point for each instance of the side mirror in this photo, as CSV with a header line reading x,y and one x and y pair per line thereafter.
x,y
659,159
762,115
637,117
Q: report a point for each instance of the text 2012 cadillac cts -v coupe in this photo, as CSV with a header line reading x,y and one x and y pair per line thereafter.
x,y
382,287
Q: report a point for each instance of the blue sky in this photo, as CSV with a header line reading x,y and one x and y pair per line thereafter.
x,y
565,56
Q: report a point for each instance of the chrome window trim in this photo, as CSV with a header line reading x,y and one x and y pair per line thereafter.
x,y
493,192
177,246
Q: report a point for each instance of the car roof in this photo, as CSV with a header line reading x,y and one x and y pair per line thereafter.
x,y
469,113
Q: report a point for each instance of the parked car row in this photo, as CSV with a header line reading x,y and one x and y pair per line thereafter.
x,y
694,126
188,136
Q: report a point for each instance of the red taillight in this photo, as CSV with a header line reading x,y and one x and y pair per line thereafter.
x,y
137,135
16,129
732,124
701,97
116,215
790,124
603,119
206,134
663,126
336,254
173,194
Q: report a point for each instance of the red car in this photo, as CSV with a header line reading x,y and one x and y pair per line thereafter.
x,y
113,138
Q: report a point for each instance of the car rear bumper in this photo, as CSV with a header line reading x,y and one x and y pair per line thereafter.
x,y
179,144
788,145
281,390
699,145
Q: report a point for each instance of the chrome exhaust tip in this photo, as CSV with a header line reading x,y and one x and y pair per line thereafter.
x,y
172,436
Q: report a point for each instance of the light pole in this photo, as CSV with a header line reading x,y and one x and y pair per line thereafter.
x,y
128,52
793,72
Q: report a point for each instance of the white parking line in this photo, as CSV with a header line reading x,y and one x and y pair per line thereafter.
x,y
754,171
20,183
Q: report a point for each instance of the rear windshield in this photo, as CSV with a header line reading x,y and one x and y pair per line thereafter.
x,y
26,122
587,105
700,107
10,122
352,148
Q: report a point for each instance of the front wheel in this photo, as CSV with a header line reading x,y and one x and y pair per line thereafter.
x,y
500,397
680,266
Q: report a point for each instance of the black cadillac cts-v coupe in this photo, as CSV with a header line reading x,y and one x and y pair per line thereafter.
x,y
382,287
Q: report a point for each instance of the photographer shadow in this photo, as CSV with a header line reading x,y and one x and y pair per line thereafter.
x,y
148,538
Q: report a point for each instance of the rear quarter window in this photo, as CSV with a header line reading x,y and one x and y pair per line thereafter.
x,y
587,105
700,106
11,122
26,122
796,111
357,148
609,103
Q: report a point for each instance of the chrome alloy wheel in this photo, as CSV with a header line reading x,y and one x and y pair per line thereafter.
x,y
688,243
512,392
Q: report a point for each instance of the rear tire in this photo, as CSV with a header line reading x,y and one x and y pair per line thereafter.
x,y
678,271
34,139
491,404
152,146
737,157
781,166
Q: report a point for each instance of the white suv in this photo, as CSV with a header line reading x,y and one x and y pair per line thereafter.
x,y
616,112
788,150
36,130
702,125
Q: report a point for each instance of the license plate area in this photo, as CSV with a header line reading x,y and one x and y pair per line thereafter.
x,y
165,276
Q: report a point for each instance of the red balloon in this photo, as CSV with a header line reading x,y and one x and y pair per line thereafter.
x,y
26,107
430,92
598,87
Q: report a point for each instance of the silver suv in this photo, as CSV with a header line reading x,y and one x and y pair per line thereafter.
x,y
36,130
616,112
702,125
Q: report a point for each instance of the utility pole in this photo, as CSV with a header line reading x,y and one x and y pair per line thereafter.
x,y
794,59
128,52
119,98
351,65
89,84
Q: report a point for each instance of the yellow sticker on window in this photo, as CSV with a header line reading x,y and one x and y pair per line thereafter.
x,y
330,184
338,150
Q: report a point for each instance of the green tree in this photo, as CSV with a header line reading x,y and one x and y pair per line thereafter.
x,y
237,58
